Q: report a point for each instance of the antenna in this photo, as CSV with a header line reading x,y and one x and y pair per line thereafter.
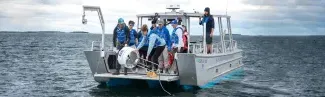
x,y
227,8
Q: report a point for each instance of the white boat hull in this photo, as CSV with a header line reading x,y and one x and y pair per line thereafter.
x,y
194,69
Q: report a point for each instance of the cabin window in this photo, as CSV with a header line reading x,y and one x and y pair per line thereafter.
x,y
229,65
217,70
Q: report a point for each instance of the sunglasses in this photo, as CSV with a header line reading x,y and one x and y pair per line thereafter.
x,y
131,24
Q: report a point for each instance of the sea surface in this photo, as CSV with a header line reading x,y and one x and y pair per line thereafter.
x,y
53,64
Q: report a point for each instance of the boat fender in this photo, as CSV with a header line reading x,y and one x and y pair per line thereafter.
x,y
171,58
102,53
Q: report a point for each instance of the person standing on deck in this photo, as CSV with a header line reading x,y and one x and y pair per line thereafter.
x,y
208,19
121,39
163,32
153,30
185,39
153,22
143,50
177,37
133,34
154,40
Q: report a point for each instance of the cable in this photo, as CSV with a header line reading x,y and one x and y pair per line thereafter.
x,y
162,87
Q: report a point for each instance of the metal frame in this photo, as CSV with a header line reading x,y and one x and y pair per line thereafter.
x,y
102,23
186,17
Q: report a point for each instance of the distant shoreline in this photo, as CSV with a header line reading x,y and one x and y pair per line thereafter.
x,y
41,32
83,32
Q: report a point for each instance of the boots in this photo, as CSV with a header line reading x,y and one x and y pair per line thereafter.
x,y
117,72
125,71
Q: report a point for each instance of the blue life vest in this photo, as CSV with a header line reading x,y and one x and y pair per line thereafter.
x,y
132,37
174,37
121,35
160,33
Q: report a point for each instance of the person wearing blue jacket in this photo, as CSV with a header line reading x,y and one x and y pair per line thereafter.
x,y
121,38
143,50
121,34
154,40
163,32
133,34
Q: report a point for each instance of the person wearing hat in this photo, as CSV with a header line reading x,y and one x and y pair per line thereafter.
x,y
163,32
177,37
121,38
133,34
153,22
208,19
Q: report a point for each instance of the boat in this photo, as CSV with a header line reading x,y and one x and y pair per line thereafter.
x,y
194,68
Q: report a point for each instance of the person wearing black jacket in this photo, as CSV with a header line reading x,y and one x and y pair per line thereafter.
x,y
208,19
121,38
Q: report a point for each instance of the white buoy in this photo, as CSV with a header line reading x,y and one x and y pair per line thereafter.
x,y
128,57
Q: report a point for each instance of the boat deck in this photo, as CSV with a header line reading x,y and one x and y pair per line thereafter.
x,y
167,78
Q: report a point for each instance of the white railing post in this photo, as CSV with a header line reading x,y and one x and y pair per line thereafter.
x,y
204,38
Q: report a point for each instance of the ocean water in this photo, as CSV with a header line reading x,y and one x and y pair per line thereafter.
x,y
53,64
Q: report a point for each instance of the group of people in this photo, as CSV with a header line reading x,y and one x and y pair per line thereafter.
x,y
156,44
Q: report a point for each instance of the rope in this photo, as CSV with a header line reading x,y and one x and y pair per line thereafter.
x,y
162,87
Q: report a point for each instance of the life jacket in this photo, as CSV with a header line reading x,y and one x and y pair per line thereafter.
x,y
171,58
185,40
160,33
121,34
174,37
132,37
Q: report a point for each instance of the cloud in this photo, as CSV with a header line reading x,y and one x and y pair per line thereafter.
x,y
253,17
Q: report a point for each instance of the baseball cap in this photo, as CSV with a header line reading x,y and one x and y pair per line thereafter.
x,y
173,22
120,21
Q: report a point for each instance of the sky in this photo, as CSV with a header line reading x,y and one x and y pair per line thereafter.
x,y
249,17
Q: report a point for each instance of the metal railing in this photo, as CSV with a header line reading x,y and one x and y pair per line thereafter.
x,y
97,46
197,48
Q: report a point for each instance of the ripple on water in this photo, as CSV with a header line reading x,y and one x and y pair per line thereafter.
x,y
47,64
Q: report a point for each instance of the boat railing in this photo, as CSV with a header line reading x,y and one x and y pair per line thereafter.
x,y
197,47
229,46
95,44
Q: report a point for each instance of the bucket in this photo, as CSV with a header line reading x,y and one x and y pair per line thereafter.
x,y
128,57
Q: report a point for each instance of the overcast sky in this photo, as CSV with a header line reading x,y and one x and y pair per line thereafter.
x,y
249,17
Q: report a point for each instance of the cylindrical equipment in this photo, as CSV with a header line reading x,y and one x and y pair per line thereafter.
x,y
128,57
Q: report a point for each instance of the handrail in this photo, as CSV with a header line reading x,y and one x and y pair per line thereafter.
x,y
92,45
197,48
